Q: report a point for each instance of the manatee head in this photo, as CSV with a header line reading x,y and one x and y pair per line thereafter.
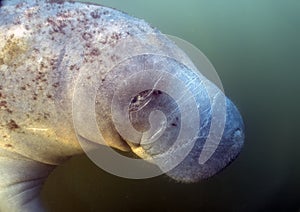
x,y
169,114
189,144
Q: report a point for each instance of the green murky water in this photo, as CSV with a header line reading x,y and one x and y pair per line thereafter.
x,y
255,48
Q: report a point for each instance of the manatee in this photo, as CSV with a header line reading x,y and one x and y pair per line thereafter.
x,y
74,75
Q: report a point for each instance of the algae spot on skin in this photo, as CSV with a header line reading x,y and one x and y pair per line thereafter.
x,y
12,50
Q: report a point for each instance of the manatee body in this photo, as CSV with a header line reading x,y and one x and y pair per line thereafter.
x,y
47,49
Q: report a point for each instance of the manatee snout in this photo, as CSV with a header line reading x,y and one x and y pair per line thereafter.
x,y
218,142
191,170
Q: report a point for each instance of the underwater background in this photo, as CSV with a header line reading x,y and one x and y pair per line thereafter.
x,y
255,47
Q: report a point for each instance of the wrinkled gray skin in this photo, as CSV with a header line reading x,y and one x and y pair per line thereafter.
x,y
44,47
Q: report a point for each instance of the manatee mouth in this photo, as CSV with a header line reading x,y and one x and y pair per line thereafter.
x,y
158,139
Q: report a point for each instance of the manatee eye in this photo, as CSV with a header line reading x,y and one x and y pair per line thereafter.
x,y
237,134
142,104
134,100
141,100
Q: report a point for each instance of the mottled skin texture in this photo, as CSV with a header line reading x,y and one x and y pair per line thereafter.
x,y
26,88
44,46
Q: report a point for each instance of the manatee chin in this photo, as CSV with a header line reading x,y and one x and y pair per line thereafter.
x,y
189,169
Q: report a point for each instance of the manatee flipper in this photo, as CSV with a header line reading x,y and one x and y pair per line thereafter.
x,y
21,180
